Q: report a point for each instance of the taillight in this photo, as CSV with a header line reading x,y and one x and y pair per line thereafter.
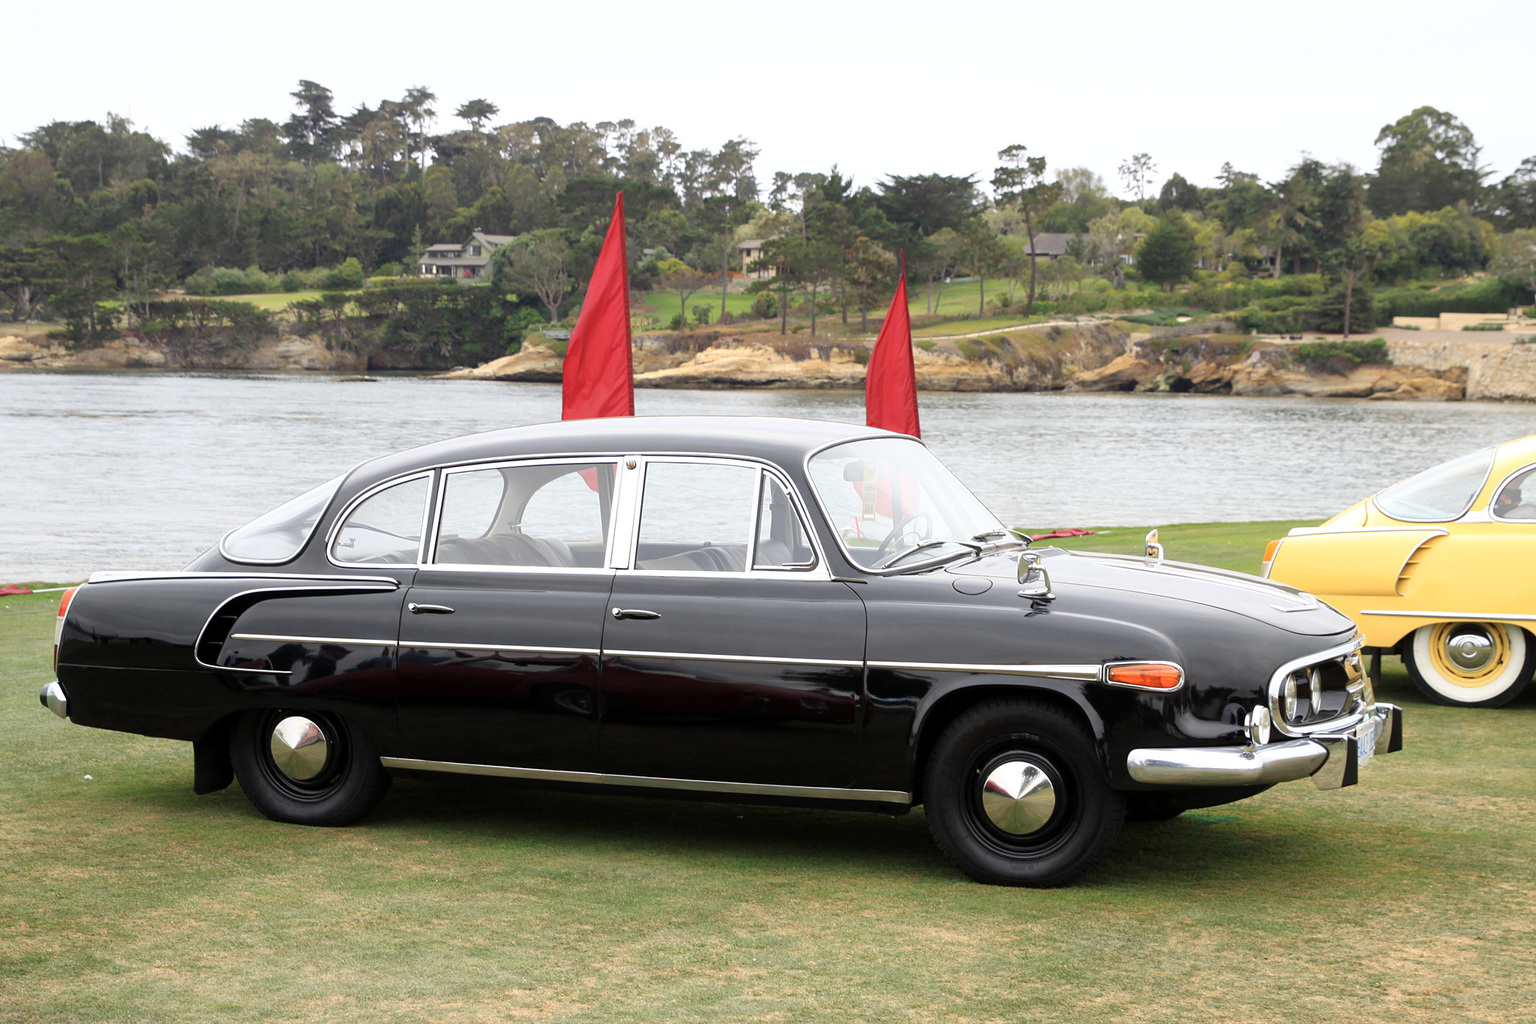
x,y
1269,556
1145,675
58,623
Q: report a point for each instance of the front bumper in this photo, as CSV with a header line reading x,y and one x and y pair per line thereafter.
x,y
1331,760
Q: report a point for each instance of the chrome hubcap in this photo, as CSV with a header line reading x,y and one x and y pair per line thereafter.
x,y
1468,650
299,748
1018,797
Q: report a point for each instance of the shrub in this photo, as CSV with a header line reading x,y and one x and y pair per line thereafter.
x,y
1489,296
1340,357
390,269
292,281
678,323
1483,327
765,306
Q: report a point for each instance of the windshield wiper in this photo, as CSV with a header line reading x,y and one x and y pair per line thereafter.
x,y
974,548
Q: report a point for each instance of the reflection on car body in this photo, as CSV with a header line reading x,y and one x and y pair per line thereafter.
x,y
751,609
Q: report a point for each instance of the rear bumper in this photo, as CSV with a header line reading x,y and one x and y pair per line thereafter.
x,y
1331,760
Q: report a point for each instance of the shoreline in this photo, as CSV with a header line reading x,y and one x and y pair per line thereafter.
x,y
1053,357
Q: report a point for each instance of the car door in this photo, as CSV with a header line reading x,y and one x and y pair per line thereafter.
x,y
502,628
730,655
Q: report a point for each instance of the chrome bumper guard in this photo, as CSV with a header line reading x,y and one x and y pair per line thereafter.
x,y
1332,760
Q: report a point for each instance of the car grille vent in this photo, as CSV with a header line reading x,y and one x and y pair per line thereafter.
x,y
1411,566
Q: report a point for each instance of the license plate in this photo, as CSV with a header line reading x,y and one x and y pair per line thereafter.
x,y
1365,742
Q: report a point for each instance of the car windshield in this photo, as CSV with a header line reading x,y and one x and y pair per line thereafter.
x,y
894,505
282,532
1438,494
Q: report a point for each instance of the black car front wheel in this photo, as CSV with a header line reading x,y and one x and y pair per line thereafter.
x,y
1014,795
306,767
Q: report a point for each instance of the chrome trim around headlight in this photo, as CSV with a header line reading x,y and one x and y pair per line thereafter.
x,y
1276,687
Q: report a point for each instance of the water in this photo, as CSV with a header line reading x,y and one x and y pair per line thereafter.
x,y
144,471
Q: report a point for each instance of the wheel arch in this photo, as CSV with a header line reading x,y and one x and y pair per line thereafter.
x,y
936,715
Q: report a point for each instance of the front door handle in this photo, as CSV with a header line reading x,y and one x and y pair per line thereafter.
x,y
635,613
428,609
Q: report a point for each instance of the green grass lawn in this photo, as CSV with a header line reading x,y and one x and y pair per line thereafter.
x,y
663,306
271,300
1238,546
124,897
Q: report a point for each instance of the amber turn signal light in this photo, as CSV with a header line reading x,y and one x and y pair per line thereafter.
x,y
58,623
1146,675
1269,550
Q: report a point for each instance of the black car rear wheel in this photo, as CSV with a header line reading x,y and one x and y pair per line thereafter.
x,y
1014,795
306,767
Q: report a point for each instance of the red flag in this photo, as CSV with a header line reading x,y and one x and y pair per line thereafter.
x,y
599,375
890,386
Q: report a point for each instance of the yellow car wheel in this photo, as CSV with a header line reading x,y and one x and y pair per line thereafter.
x,y
1470,664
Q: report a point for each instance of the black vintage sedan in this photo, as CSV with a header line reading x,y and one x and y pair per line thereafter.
x,y
749,609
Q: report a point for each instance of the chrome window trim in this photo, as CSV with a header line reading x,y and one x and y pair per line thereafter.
x,y
887,796
1277,682
1084,673
429,560
351,506
1493,516
1488,472
223,553
500,648
740,658
119,576
559,570
817,570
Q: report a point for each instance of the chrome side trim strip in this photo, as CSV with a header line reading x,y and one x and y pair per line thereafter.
x,y
1457,616
326,582
1227,766
500,648
283,638
1086,673
745,658
1320,531
884,796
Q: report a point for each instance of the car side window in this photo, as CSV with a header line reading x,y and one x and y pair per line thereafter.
x,y
696,517
534,516
1517,498
385,528
781,539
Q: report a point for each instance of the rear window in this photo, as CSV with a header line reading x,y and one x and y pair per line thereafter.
x,y
1438,494
282,532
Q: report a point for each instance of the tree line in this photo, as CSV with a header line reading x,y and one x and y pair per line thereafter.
x,y
99,218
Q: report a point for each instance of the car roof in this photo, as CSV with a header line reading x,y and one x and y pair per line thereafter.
x,y
781,440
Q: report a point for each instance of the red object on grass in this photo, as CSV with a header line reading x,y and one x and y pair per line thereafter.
x,y
890,386
12,589
599,374
1069,532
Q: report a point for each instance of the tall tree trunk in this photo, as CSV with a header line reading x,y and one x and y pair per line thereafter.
x,y
725,274
842,298
1029,229
930,294
1274,271
981,302
1349,295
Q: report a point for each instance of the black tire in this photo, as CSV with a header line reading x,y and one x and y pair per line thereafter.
x,y
1074,833
1509,651
346,784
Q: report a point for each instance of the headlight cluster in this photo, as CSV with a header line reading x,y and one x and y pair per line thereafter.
x,y
1301,695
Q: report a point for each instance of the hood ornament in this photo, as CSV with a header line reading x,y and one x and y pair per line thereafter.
x,y
1154,549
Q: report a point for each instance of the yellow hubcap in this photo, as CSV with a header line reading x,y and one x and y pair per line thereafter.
x,y
1469,653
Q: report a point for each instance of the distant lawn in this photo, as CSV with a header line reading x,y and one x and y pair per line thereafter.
x,y
269,300
663,306
1237,546
949,328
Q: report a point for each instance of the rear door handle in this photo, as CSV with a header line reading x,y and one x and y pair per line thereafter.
x,y
635,613
428,609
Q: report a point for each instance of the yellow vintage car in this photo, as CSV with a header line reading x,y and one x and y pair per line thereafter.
x,y
1440,568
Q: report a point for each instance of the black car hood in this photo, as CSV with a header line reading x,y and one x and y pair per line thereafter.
x,y
1249,596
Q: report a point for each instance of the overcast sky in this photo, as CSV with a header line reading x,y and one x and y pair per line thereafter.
x,y
900,88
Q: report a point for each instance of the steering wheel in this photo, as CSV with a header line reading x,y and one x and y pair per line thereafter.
x,y
902,529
